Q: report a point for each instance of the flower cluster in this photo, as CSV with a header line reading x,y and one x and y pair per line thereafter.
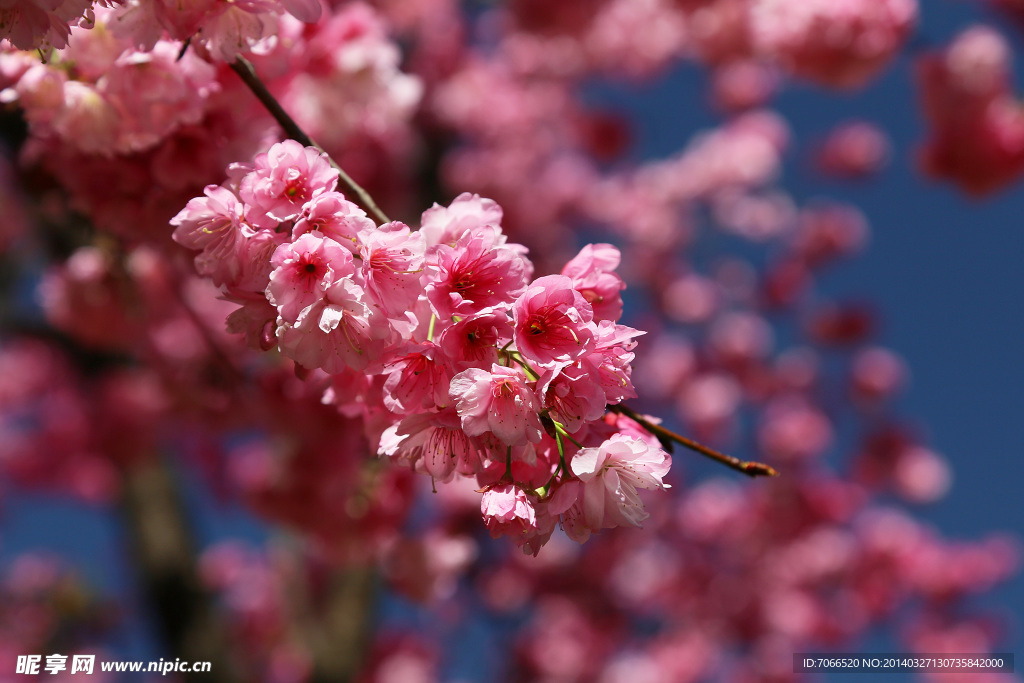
x,y
977,125
840,44
135,128
220,29
460,363
116,99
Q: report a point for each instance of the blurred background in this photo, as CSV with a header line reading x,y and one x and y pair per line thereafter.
x,y
830,283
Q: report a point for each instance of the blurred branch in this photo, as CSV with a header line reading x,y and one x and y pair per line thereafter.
x,y
165,558
340,638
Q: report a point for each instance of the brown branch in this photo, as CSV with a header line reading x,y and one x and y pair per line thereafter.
x,y
341,641
351,188
332,621
747,467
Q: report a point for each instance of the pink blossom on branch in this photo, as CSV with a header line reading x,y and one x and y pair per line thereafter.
x,y
499,401
417,381
342,330
479,271
386,318
446,224
282,181
303,270
593,275
330,214
572,395
553,322
31,24
213,224
611,475
508,511
392,261
475,340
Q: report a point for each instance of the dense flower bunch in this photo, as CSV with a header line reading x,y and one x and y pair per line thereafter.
x,y
485,371
223,30
110,115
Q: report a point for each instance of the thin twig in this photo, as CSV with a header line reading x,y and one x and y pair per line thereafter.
x,y
747,467
351,188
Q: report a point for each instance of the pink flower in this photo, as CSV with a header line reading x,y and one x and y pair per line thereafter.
x,y
213,224
417,381
238,27
571,395
792,429
338,332
336,217
855,149
842,43
876,374
88,119
180,19
474,341
610,359
611,475
499,401
252,257
477,273
392,263
31,24
566,501
552,321
156,93
593,276
284,178
508,511
829,231
436,440
303,270
446,224
743,84
447,449
977,136
256,321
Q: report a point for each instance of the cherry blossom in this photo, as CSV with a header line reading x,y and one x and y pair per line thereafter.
x,y
497,401
552,321
612,473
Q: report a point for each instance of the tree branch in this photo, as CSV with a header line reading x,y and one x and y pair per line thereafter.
x,y
165,559
747,467
351,188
